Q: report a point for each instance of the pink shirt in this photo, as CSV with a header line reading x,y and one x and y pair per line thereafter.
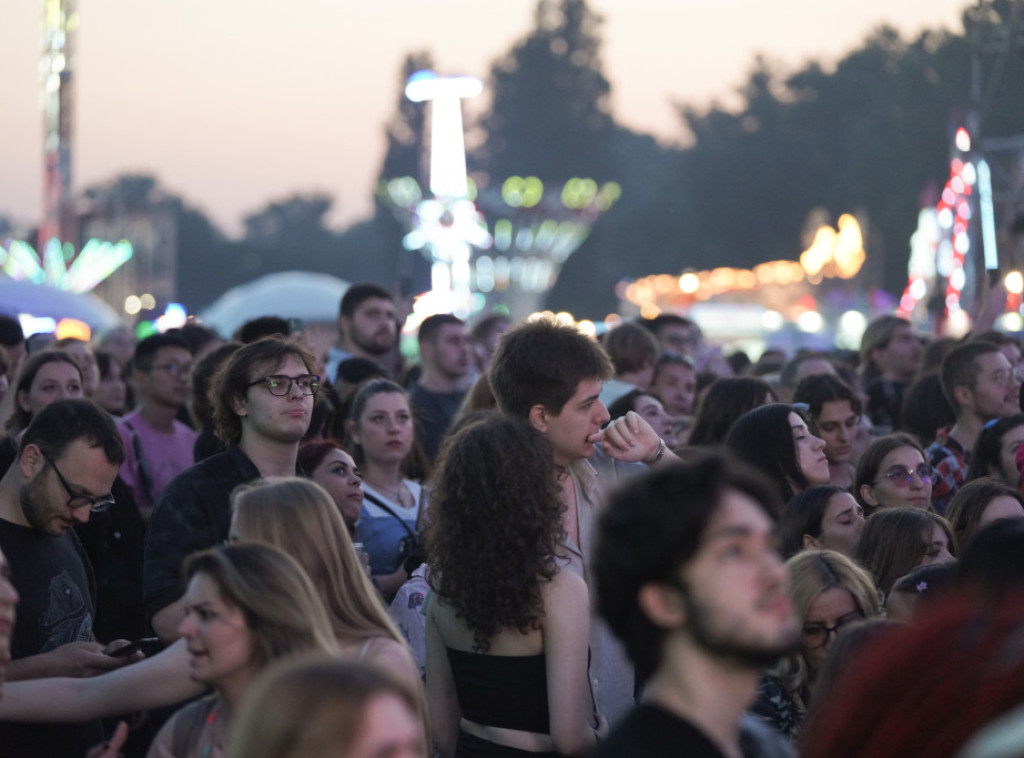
x,y
164,456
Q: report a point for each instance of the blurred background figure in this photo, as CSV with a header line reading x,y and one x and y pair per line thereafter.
x,y
318,707
649,407
824,517
896,540
112,391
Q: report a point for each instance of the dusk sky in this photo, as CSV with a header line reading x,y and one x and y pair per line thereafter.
x,y
234,103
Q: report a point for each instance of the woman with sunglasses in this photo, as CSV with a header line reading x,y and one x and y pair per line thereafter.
x,y
893,473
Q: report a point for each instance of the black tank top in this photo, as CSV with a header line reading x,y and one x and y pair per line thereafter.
x,y
507,691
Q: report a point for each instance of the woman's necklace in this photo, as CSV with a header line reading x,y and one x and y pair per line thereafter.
x,y
402,495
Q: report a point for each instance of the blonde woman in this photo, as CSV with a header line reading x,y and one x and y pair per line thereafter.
x,y
299,517
245,606
828,591
316,706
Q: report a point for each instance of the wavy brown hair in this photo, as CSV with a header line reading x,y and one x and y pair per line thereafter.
x,y
495,525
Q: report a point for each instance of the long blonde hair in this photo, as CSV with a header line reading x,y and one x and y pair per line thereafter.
x,y
279,603
299,517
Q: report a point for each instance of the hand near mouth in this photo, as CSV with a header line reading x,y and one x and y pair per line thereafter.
x,y
630,438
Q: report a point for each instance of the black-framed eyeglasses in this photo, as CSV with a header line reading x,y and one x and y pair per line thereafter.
x,y
281,384
902,476
96,504
816,635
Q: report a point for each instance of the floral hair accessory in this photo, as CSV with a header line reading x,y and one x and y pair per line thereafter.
x,y
921,586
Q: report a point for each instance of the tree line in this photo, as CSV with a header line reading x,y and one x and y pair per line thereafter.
x,y
871,136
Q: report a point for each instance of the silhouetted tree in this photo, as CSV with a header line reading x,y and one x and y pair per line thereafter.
x,y
550,115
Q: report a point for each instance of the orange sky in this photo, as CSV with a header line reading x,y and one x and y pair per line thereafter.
x,y
232,103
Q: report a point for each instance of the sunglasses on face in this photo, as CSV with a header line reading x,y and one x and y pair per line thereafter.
x,y
902,476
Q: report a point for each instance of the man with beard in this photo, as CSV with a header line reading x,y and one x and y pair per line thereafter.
x,y
981,385
67,462
262,402
689,578
367,327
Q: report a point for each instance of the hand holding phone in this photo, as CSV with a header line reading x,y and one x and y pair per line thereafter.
x,y
132,647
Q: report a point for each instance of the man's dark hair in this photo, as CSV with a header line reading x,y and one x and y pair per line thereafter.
x,y
357,293
258,328
146,350
926,409
650,530
356,370
542,363
62,423
247,365
818,389
630,347
432,326
482,329
11,333
198,336
656,324
959,368
672,359
789,370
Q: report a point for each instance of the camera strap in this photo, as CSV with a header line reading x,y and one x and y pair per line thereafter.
x,y
380,503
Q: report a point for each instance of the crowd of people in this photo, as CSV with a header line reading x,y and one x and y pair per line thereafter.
x,y
525,542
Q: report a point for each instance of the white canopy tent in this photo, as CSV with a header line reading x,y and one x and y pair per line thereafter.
x,y
314,298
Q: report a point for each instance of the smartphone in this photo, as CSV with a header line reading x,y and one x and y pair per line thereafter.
x,y
134,646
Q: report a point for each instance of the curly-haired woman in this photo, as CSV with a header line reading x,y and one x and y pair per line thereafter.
x,y
506,629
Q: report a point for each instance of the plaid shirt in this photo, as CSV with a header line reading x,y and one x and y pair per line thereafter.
x,y
950,460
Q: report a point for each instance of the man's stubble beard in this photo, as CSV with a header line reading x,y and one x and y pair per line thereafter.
x,y
727,645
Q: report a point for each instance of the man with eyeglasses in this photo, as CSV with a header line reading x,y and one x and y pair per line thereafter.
x,y
66,465
688,575
981,385
158,447
262,404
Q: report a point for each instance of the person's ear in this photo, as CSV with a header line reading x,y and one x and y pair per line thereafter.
x,y
811,543
352,430
867,494
539,418
238,406
23,402
963,396
662,604
31,460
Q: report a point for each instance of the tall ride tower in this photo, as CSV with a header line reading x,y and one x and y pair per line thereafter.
x,y
60,22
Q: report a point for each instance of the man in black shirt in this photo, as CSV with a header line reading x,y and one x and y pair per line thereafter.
x,y
437,394
689,578
67,462
262,402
